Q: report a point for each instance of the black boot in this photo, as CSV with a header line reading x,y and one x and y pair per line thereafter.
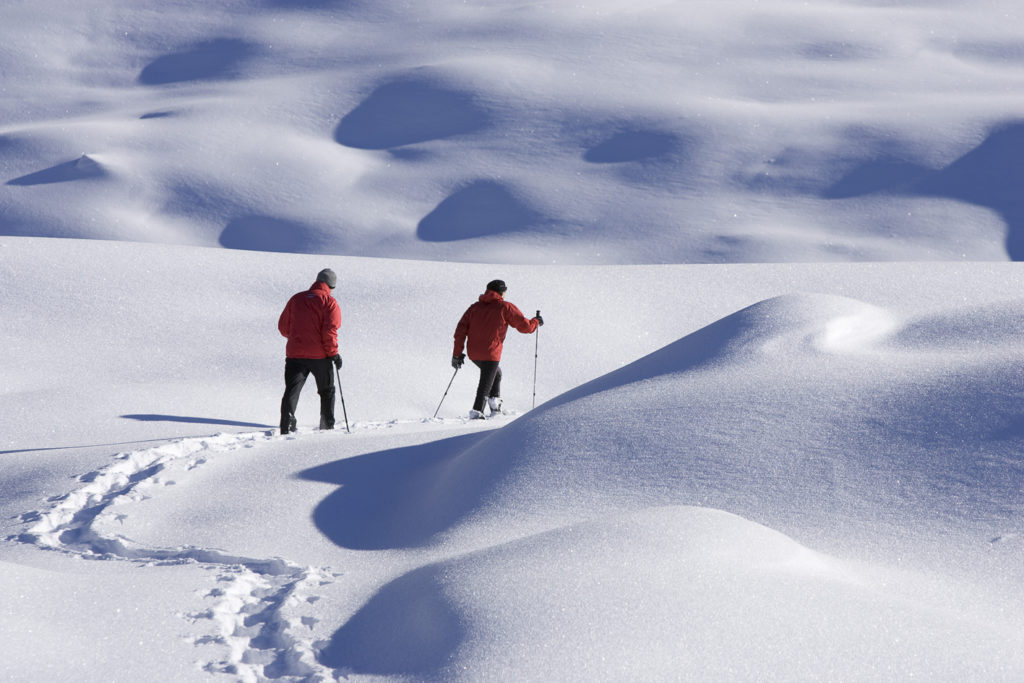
x,y
287,424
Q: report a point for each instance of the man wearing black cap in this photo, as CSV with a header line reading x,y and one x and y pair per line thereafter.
x,y
310,322
482,332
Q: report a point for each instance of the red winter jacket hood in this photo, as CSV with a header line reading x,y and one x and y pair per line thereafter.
x,y
310,321
484,324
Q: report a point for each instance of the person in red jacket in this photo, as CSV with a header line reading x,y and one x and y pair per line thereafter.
x,y
310,322
481,331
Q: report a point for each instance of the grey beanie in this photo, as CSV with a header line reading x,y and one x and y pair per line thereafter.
x,y
327,276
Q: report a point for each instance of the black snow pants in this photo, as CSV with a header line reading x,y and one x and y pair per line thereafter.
x,y
490,383
296,370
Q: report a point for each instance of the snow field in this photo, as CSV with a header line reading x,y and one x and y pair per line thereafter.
x,y
777,426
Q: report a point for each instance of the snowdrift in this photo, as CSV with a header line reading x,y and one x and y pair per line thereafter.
x,y
707,421
665,592
584,512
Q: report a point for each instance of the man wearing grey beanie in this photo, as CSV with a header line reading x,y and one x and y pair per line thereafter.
x,y
310,322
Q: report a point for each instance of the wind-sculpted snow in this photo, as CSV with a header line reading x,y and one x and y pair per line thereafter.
x,y
705,421
988,329
594,492
784,489
714,133
777,432
721,597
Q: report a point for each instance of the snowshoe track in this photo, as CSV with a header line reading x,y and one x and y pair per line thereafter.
x,y
258,607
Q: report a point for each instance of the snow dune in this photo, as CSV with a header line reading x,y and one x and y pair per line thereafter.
x,y
597,133
708,420
721,597
599,484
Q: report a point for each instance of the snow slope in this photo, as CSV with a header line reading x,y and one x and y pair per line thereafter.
x,y
808,478
776,433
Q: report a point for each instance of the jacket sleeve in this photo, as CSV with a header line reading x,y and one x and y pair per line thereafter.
x,y
461,332
284,322
515,318
329,333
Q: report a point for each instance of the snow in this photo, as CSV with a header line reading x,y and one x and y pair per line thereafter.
x,y
777,432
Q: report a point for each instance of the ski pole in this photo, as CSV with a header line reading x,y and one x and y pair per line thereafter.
x,y
446,392
536,347
344,412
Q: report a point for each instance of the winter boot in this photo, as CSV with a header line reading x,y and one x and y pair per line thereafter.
x,y
476,415
495,403
288,424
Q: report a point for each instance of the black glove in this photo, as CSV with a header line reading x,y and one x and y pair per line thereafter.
x,y
540,320
458,360
336,358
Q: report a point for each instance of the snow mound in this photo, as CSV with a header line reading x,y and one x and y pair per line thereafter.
x,y
995,327
720,597
705,421
782,326
391,130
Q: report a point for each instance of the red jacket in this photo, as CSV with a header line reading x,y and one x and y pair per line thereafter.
x,y
310,321
485,324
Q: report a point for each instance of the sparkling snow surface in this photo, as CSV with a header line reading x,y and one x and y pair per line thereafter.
x,y
778,431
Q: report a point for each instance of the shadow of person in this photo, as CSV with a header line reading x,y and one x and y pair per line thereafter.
x,y
155,417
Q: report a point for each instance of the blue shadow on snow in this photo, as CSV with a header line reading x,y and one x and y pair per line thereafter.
x,y
82,168
991,175
407,111
480,209
406,629
266,233
215,60
632,145
150,417
397,498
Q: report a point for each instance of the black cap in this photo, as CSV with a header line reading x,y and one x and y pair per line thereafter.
x,y
497,286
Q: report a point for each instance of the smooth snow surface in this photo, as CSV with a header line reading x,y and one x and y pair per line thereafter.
x,y
778,431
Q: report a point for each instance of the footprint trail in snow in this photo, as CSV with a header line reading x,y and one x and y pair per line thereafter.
x,y
258,608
